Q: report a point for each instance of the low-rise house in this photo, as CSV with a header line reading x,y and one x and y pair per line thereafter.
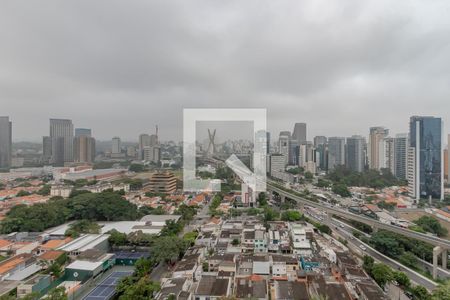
x,y
344,259
14,264
290,290
370,291
212,288
215,261
254,287
284,266
48,258
175,287
185,268
260,242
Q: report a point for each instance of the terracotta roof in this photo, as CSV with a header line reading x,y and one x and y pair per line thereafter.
x,y
53,244
4,243
51,255
11,263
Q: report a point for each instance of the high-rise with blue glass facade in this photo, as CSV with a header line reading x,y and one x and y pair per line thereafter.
x,y
426,169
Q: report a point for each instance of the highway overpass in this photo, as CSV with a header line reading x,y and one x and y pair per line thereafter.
x,y
441,246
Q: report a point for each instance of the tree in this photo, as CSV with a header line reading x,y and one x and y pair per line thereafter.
x,y
117,238
171,228
82,226
386,243
190,237
168,249
309,176
54,269
143,267
442,292
291,216
368,263
322,183
382,274
270,214
402,279
22,193
430,224
57,294
408,259
142,289
420,293
187,212
77,192
105,206
262,199
235,242
324,228
45,190
136,168
341,190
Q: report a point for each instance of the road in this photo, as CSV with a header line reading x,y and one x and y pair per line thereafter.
x,y
354,244
371,222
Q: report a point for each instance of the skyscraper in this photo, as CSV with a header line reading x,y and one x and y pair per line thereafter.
x,y
299,133
355,159
401,155
319,140
336,152
46,149
448,157
387,154
284,146
61,134
84,146
5,142
376,136
426,155
144,141
116,147
83,132
320,144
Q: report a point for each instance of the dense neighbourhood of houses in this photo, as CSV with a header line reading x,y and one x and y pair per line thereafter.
x,y
242,258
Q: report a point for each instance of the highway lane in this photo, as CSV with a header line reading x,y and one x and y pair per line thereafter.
x,y
354,244
371,222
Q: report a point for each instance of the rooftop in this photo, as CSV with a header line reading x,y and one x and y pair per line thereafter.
x,y
213,286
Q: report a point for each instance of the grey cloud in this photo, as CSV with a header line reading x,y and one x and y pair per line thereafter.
x,y
120,67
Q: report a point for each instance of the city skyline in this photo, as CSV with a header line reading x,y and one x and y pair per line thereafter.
x,y
384,67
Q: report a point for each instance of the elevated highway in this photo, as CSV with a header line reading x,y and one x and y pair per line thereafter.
x,y
441,246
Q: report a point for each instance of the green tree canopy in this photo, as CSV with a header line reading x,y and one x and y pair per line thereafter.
x,y
382,274
431,224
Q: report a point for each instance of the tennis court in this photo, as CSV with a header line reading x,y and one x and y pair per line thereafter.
x,y
106,289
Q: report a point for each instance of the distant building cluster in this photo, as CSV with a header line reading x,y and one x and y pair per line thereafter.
x,y
418,156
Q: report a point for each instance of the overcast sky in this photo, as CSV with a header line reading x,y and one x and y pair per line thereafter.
x,y
120,67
